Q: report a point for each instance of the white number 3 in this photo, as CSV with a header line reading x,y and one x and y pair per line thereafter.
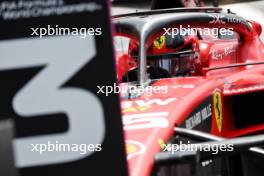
x,y
62,57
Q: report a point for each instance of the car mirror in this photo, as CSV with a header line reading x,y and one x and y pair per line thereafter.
x,y
256,27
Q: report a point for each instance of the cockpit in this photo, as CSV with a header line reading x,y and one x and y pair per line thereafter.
x,y
167,56
148,47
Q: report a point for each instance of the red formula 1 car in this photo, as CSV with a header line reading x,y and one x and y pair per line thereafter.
x,y
190,75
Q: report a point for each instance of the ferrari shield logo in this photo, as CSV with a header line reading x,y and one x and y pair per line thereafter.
x,y
159,42
134,148
218,110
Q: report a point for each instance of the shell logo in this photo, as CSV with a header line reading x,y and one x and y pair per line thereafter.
x,y
134,148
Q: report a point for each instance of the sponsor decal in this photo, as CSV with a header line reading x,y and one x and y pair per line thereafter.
x,y
184,86
136,109
252,88
217,19
201,117
146,121
134,148
218,112
159,42
236,20
222,19
219,55
141,104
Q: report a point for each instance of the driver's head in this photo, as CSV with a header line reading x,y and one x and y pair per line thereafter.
x,y
162,52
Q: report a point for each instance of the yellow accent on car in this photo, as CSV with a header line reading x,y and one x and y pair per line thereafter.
x,y
159,42
218,111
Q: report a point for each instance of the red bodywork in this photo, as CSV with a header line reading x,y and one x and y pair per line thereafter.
x,y
150,119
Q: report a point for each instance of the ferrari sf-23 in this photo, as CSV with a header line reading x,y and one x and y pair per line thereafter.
x,y
191,76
